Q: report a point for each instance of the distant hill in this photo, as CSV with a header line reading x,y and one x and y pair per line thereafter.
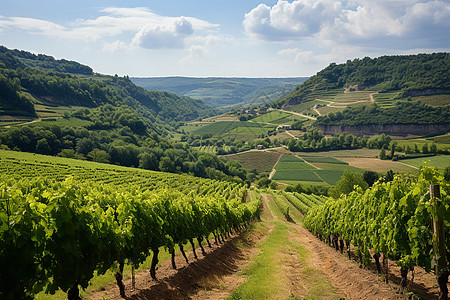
x,y
27,80
222,91
381,93
409,74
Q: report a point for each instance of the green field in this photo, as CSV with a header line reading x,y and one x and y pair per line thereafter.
x,y
350,97
270,117
435,100
228,128
325,160
323,170
439,162
249,131
296,175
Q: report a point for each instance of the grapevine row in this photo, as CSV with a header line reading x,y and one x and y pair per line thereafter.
x,y
55,234
393,219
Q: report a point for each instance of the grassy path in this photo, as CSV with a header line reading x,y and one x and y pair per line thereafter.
x,y
282,269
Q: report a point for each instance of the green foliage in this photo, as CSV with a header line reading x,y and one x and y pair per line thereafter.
x,y
55,234
67,83
402,112
263,182
370,177
447,173
347,184
391,217
385,73
314,140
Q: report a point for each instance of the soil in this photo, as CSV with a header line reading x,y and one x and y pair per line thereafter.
x,y
219,273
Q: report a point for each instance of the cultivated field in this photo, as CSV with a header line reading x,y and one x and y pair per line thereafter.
x,y
439,162
262,161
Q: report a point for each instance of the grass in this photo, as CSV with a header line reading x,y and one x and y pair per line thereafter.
x,y
352,97
328,160
439,162
331,177
324,110
70,122
443,139
386,99
270,117
435,100
296,175
281,166
266,277
249,130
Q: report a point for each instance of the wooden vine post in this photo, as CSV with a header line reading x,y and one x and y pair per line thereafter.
x,y
439,242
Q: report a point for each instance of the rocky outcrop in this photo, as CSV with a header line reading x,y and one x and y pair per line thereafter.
x,y
390,129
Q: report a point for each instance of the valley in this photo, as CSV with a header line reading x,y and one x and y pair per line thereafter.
x,y
229,188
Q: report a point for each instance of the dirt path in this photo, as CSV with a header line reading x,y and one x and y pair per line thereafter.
x,y
322,269
272,173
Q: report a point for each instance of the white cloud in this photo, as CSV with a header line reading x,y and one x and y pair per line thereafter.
x,y
400,23
134,26
115,46
155,36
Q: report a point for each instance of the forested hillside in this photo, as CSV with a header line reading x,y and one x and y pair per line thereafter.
x,y
387,73
26,78
107,118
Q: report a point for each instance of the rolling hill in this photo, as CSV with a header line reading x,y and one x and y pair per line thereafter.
x,y
28,80
381,93
220,92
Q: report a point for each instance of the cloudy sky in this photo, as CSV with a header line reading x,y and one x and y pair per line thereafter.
x,y
244,38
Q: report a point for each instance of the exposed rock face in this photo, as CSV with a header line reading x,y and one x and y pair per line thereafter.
x,y
357,87
390,129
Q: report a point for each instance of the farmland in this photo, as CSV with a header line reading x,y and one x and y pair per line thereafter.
x,y
262,161
323,170
440,161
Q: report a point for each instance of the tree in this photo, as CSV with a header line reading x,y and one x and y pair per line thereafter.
x,y
433,148
166,165
148,161
84,146
263,182
98,155
425,148
370,177
382,154
393,149
43,147
389,176
346,184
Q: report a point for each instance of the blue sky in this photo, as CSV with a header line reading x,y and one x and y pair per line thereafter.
x,y
244,38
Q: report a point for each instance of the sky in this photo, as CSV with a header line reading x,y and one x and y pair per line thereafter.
x,y
223,38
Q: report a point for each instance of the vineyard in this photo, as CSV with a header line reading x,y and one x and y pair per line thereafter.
x,y
64,221
61,222
391,220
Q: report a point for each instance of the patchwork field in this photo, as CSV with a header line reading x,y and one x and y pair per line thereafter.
x,y
435,100
224,127
378,165
439,162
323,170
262,161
